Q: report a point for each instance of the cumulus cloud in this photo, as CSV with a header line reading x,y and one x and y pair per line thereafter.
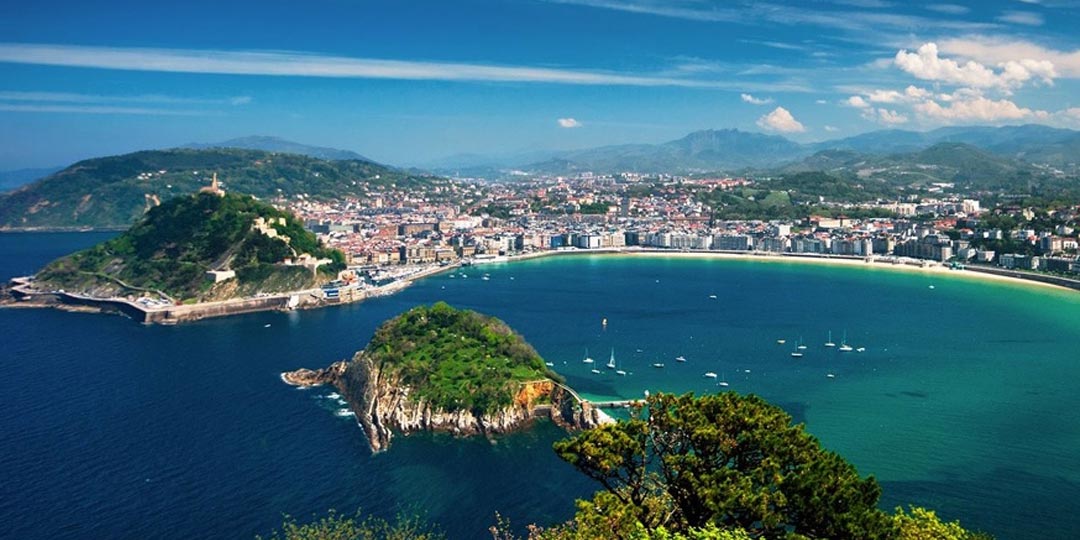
x,y
927,64
886,116
999,51
755,101
976,109
569,123
780,120
856,101
832,129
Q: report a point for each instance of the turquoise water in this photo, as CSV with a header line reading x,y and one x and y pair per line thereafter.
x,y
965,399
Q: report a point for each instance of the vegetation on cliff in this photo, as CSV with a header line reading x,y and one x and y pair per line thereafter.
x,y
456,359
112,192
175,244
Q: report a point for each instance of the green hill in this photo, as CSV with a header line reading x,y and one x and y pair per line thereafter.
x,y
112,192
171,249
455,359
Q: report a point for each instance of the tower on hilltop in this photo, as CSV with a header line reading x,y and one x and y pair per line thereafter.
x,y
213,188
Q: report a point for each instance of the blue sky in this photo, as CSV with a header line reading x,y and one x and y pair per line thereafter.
x,y
409,81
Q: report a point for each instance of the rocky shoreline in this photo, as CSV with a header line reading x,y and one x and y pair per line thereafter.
x,y
384,407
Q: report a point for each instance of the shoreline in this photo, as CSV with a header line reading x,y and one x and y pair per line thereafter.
x,y
170,315
972,272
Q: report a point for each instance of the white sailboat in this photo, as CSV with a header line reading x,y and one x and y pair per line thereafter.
x,y
797,353
723,381
830,342
587,359
680,358
611,361
844,347
710,375
595,371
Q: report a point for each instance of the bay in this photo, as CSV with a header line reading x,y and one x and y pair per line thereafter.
x,y
964,400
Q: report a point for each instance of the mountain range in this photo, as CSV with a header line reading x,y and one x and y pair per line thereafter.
x,y
732,150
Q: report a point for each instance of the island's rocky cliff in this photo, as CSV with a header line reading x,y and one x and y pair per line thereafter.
x,y
385,407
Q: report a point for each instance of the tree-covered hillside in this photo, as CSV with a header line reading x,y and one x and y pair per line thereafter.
x,y
175,244
112,192
456,359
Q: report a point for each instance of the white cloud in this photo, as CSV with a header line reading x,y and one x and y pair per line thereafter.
x,y
976,109
821,102
999,51
832,129
889,117
951,9
780,120
925,63
96,109
754,100
69,97
856,101
1026,18
569,123
298,64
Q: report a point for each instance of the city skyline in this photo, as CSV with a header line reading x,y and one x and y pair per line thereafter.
x,y
407,83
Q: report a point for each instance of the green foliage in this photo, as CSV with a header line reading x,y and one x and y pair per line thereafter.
x,y
174,245
339,527
109,191
923,524
456,359
732,461
493,210
595,208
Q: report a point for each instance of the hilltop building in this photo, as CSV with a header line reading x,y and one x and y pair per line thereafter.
x,y
214,188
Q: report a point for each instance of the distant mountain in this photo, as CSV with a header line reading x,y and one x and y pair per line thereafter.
x,y
732,150
113,192
706,150
946,162
1029,142
12,179
277,144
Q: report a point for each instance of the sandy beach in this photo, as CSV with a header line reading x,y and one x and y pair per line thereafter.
x,y
877,263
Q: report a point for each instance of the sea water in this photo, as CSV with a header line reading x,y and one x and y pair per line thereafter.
x,y
964,399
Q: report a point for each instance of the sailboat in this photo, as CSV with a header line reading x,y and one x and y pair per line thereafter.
x,y
710,374
723,381
587,359
611,361
801,346
797,353
844,347
680,358
830,342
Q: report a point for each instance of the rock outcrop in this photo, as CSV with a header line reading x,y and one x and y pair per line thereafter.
x,y
315,377
385,407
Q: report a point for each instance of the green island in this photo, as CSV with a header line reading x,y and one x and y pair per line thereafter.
x,y
456,359
437,368
683,467
203,247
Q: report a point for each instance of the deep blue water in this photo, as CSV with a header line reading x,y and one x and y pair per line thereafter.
x,y
965,399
